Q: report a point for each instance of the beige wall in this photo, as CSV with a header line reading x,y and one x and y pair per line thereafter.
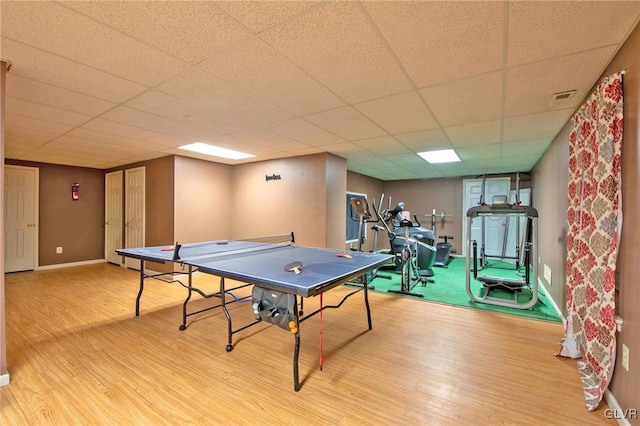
x,y
203,203
626,384
550,177
294,203
336,184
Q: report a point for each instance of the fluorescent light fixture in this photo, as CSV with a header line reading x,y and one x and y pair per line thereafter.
x,y
441,156
215,151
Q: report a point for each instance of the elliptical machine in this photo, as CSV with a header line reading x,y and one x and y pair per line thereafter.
x,y
412,247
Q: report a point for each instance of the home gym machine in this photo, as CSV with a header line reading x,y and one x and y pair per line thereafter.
x,y
519,253
489,283
411,246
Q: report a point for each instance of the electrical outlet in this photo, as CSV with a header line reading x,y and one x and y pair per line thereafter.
x,y
547,273
625,357
58,250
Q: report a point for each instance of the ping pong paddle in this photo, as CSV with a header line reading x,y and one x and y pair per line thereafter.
x,y
294,267
167,249
345,255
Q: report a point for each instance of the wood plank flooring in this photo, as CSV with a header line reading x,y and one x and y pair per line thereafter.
x,y
78,355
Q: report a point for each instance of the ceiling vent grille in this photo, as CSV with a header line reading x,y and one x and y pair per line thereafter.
x,y
561,98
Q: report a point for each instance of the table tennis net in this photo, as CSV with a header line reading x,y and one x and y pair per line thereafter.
x,y
201,250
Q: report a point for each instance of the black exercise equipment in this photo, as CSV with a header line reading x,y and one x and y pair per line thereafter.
x,y
443,252
359,210
411,246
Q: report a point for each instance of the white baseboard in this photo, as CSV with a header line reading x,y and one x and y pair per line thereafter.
x,y
4,379
615,411
67,265
553,302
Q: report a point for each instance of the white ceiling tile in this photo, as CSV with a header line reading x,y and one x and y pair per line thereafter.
x,y
399,113
347,123
114,140
474,134
526,148
530,87
383,146
34,91
535,126
541,30
127,131
262,15
424,140
191,31
76,37
259,136
304,131
44,112
336,44
466,101
347,150
438,42
479,152
23,138
20,121
259,69
41,66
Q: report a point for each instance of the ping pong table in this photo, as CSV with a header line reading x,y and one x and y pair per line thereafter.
x,y
297,272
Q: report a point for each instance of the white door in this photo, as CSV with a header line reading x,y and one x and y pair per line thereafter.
x,y
494,227
113,217
20,218
134,212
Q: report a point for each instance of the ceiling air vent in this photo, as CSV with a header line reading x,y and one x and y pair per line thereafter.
x,y
561,98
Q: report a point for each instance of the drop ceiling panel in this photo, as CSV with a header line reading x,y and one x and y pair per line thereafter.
x,y
263,15
45,94
533,147
535,126
475,134
21,121
304,131
76,37
438,42
541,30
347,150
336,44
259,69
383,146
44,112
425,140
191,31
115,140
41,66
411,159
259,136
144,120
399,113
347,123
23,139
127,131
530,88
480,153
466,101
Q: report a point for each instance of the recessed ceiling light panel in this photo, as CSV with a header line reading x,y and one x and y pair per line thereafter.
x,y
216,151
440,156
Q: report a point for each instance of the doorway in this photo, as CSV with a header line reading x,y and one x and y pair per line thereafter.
x,y
21,188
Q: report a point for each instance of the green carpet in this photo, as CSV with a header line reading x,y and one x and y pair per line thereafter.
x,y
449,288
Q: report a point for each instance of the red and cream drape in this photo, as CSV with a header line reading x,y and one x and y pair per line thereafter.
x,y
594,225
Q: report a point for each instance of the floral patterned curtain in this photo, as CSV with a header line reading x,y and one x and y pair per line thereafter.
x,y
594,225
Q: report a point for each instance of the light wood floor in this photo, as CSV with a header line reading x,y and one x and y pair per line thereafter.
x,y
78,355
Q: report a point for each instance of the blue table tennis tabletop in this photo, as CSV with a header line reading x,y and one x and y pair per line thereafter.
x,y
264,264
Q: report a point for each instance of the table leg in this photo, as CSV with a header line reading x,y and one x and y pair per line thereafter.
x,y
141,287
296,350
366,301
229,347
186,301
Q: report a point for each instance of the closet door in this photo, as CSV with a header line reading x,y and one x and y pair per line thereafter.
x,y
134,212
20,218
114,218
